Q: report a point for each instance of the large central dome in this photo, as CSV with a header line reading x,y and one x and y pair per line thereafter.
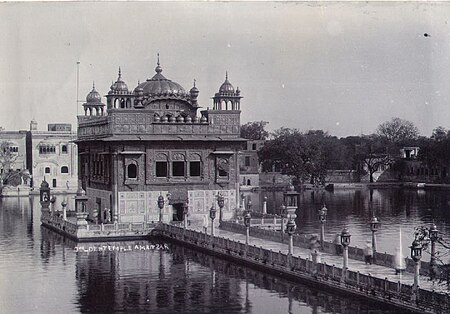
x,y
158,85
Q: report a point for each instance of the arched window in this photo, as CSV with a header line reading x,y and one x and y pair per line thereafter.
x,y
64,169
47,170
122,103
249,182
132,171
64,149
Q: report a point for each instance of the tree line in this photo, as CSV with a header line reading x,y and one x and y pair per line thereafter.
x,y
308,155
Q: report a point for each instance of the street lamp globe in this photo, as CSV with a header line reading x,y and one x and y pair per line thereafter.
x,y
434,233
212,213
374,224
247,219
345,237
323,213
220,200
160,202
290,227
416,250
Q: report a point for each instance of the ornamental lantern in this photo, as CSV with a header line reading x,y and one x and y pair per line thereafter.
x,y
433,233
323,214
290,227
416,250
345,237
247,219
212,213
374,224
44,192
160,202
80,200
290,197
249,204
220,200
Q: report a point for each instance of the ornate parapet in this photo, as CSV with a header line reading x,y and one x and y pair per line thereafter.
x,y
126,122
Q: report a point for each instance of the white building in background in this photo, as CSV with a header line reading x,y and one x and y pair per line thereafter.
x,y
53,154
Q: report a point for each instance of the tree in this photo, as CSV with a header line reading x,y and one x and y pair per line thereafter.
x,y
8,157
255,130
398,132
439,134
304,156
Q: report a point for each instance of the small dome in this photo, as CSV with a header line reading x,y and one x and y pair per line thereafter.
x,y
180,119
139,90
157,119
188,119
164,119
196,119
119,86
203,119
93,96
172,119
194,90
226,87
158,85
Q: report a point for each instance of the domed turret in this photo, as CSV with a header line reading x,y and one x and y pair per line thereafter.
x,y
226,87
227,98
93,105
119,87
93,96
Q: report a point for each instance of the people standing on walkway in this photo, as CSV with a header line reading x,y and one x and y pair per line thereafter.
x,y
368,253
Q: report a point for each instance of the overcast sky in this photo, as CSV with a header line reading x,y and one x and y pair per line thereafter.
x,y
341,67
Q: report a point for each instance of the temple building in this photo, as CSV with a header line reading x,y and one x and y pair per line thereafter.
x,y
156,141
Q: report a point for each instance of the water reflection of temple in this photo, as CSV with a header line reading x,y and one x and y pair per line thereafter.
x,y
150,280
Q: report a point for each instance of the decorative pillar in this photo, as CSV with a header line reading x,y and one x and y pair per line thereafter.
x,y
160,206
374,226
221,203
264,209
345,241
434,237
322,218
64,204
212,215
416,255
115,196
247,221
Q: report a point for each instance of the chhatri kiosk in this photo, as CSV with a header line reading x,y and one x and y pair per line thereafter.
x,y
155,143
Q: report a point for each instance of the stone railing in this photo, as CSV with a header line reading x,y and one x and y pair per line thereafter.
x,y
383,290
382,259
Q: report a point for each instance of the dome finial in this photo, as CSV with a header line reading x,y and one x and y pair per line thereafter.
x,y
226,75
158,68
120,74
194,82
93,85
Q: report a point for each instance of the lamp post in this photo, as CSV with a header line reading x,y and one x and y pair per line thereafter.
x,y
282,212
290,229
416,254
52,201
221,203
345,241
212,215
64,204
434,236
160,206
322,218
247,219
264,209
374,226
185,214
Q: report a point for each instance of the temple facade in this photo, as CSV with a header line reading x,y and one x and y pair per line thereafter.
x,y
156,141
